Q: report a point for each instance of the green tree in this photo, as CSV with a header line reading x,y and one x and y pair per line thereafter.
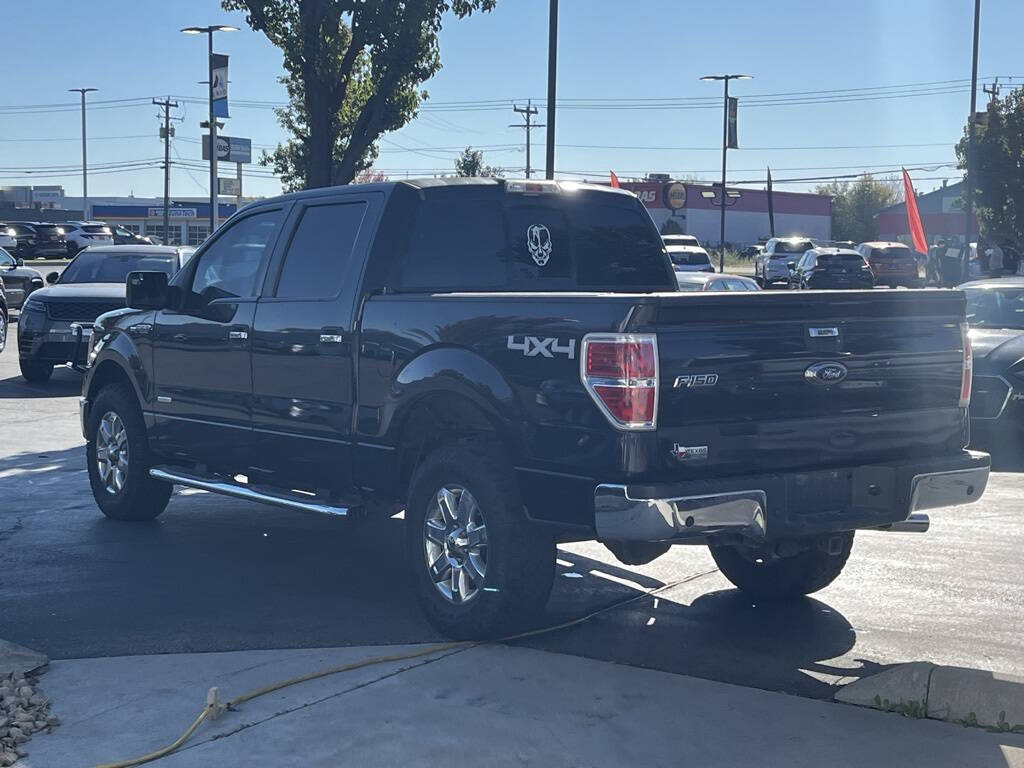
x,y
998,177
354,68
471,163
854,205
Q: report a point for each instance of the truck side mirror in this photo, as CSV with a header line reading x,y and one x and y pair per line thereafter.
x,y
791,265
20,262
52,278
146,290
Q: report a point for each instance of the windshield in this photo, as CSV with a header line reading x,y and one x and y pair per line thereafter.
x,y
95,229
995,307
840,260
895,252
107,267
6,260
689,258
787,248
45,228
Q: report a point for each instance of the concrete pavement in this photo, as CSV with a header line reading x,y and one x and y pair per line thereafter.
x,y
486,706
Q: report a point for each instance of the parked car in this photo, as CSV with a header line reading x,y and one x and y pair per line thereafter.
x,y
39,239
690,240
893,264
830,268
124,236
690,258
19,280
995,313
4,316
7,239
93,283
24,238
771,266
510,363
703,281
82,234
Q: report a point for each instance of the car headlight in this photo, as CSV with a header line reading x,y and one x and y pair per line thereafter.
x,y
33,305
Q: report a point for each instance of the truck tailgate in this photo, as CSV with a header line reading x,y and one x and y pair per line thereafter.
x,y
772,381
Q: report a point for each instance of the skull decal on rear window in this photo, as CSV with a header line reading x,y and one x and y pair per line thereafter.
x,y
538,241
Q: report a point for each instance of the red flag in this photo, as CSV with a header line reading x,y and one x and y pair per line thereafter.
x,y
615,180
913,217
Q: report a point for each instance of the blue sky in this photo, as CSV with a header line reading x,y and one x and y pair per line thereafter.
x,y
612,51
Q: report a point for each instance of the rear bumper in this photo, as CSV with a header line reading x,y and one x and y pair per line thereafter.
x,y
771,507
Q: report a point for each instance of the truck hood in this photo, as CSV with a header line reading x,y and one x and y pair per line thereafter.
x,y
81,291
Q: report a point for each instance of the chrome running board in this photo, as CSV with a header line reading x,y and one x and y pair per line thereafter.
x,y
226,487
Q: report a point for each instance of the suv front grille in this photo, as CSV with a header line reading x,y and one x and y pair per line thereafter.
x,y
988,396
79,310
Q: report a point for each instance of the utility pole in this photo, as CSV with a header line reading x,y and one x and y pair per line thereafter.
x,y
167,104
968,178
85,175
527,112
993,92
549,166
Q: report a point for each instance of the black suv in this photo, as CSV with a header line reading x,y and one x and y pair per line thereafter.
x,y
93,283
510,363
37,239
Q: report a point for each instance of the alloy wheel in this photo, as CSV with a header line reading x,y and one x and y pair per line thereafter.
x,y
455,544
112,452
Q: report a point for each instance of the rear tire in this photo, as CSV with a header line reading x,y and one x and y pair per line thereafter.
x,y
503,583
118,460
34,371
780,578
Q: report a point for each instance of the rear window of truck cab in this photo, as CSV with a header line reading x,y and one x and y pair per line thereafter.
x,y
481,238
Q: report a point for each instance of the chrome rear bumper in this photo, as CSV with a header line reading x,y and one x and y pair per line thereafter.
x,y
622,514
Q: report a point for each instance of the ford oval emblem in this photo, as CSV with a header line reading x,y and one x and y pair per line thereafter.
x,y
826,373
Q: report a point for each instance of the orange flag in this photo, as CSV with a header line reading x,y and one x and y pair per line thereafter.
x,y
913,217
615,180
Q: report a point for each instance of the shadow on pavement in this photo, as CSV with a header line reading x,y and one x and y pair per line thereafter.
x,y
65,383
216,574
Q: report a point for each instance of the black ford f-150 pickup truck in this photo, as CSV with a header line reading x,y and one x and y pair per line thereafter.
x,y
510,364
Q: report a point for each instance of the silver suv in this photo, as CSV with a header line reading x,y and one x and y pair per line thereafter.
x,y
771,266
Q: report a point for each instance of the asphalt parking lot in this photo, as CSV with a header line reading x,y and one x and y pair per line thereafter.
x,y
214,574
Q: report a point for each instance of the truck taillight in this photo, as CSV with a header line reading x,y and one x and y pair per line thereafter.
x,y
620,371
968,369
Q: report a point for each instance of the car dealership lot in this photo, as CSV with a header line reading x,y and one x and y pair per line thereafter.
x,y
216,574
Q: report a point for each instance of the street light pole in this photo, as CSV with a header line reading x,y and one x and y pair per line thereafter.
x,y
549,164
208,31
85,174
725,153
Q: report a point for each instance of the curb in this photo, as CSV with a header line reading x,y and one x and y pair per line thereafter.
x,y
954,694
17,659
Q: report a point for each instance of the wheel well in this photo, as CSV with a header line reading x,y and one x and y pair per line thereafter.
x,y
439,420
108,372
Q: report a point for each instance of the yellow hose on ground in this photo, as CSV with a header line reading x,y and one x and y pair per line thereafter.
x,y
214,708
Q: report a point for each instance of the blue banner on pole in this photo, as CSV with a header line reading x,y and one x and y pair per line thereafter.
x,y
220,85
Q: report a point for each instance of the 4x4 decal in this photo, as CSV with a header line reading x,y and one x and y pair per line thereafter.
x,y
531,346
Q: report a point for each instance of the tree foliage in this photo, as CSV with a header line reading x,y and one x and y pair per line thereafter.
x,y
998,174
854,205
354,68
471,163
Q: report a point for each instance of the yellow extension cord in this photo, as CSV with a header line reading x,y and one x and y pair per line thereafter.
x,y
214,708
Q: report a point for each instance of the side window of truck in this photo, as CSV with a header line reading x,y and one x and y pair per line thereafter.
x,y
319,251
230,266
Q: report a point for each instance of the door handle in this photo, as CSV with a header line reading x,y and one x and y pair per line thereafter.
x,y
332,338
238,335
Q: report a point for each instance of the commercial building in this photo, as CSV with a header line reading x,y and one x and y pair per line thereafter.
x,y
680,207
189,220
942,215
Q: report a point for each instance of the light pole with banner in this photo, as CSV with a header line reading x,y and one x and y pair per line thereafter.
x,y
218,93
729,107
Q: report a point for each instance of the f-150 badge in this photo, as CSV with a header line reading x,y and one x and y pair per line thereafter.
x,y
531,346
696,380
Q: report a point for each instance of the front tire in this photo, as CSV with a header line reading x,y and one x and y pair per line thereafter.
x,y
4,326
768,577
117,456
34,371
481,569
